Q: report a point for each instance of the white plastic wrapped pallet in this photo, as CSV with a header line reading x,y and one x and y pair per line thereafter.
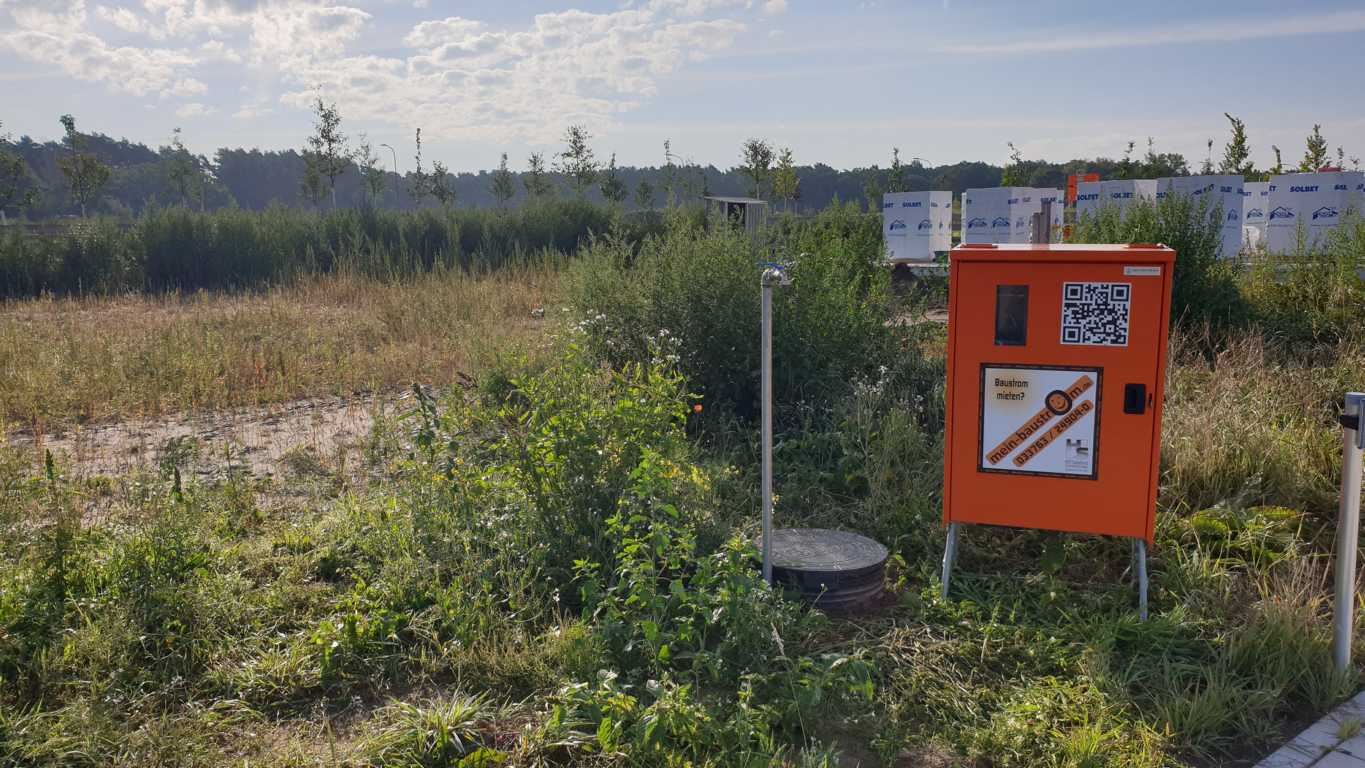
x,y
986,215
1026,201
916,224
1255,199
895,230
1023,203
941,218
1223,192
1121,193
1308,204
1089,198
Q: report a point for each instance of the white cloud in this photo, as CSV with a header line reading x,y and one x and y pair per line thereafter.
x,y
122,18
1230,30
46,15
251,112
285,34
194,109
453,75
187,86
217,49
430,33
465,78
138,71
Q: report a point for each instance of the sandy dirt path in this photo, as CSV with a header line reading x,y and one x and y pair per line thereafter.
x,y
259,439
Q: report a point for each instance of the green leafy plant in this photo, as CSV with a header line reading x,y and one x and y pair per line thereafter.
x,y
1205,289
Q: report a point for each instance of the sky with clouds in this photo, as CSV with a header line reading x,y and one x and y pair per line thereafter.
x,y
838,82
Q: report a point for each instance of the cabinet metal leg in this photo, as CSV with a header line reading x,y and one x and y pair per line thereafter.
x,y
949,555
1140,555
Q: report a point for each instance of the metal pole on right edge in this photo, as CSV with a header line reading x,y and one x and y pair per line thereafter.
x,y
767,430
1348,529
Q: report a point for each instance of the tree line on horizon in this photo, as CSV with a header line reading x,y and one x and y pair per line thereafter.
x,y
94,173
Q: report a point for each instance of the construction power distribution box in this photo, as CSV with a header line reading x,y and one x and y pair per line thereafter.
x,y
1056,368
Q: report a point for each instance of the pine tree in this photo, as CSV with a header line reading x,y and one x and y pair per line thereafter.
x,y
577,161
1279,161
182,171
1315,156
896,175
502,183
756,160
535,181
440,185
327,146
370,169
85,174
1237,153
15,189
786,184
613,189
644,195
311,184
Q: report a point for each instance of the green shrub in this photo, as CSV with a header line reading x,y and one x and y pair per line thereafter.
x,y
552,452
1312,295
702,288
168,249
1204,287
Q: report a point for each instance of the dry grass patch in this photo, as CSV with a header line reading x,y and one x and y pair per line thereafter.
x,y
86,359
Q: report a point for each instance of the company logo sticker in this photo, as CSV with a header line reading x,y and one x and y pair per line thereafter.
x,y
1144,271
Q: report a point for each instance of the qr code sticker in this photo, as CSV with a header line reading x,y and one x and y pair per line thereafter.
x,y
1096,313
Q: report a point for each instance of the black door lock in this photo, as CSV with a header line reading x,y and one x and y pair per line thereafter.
x,y
1135,398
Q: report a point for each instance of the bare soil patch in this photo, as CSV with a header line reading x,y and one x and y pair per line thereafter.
x,y
262,440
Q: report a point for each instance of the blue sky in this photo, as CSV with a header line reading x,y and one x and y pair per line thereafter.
x,y
839,83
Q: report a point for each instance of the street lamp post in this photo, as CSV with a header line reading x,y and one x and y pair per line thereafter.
x,y
395,158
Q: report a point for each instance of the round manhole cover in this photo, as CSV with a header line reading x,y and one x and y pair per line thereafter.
x,y
819,549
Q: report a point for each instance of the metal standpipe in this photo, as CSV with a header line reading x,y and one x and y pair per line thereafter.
x,y
1348,529
772,275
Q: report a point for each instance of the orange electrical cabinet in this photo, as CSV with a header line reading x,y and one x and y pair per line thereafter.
x,y
1056,370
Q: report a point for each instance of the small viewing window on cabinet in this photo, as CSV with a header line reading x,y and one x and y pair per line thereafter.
x,y
1011,315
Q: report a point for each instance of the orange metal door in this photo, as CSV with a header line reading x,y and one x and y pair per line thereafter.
x,y
991,481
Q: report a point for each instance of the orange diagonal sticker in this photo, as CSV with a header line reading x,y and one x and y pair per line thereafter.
x,y
1057,403
1066,422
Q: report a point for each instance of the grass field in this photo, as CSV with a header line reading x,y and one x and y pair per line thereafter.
x,y
75,360
553,564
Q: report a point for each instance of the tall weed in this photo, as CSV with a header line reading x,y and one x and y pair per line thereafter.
x,y
702,288
1204,288
170,249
